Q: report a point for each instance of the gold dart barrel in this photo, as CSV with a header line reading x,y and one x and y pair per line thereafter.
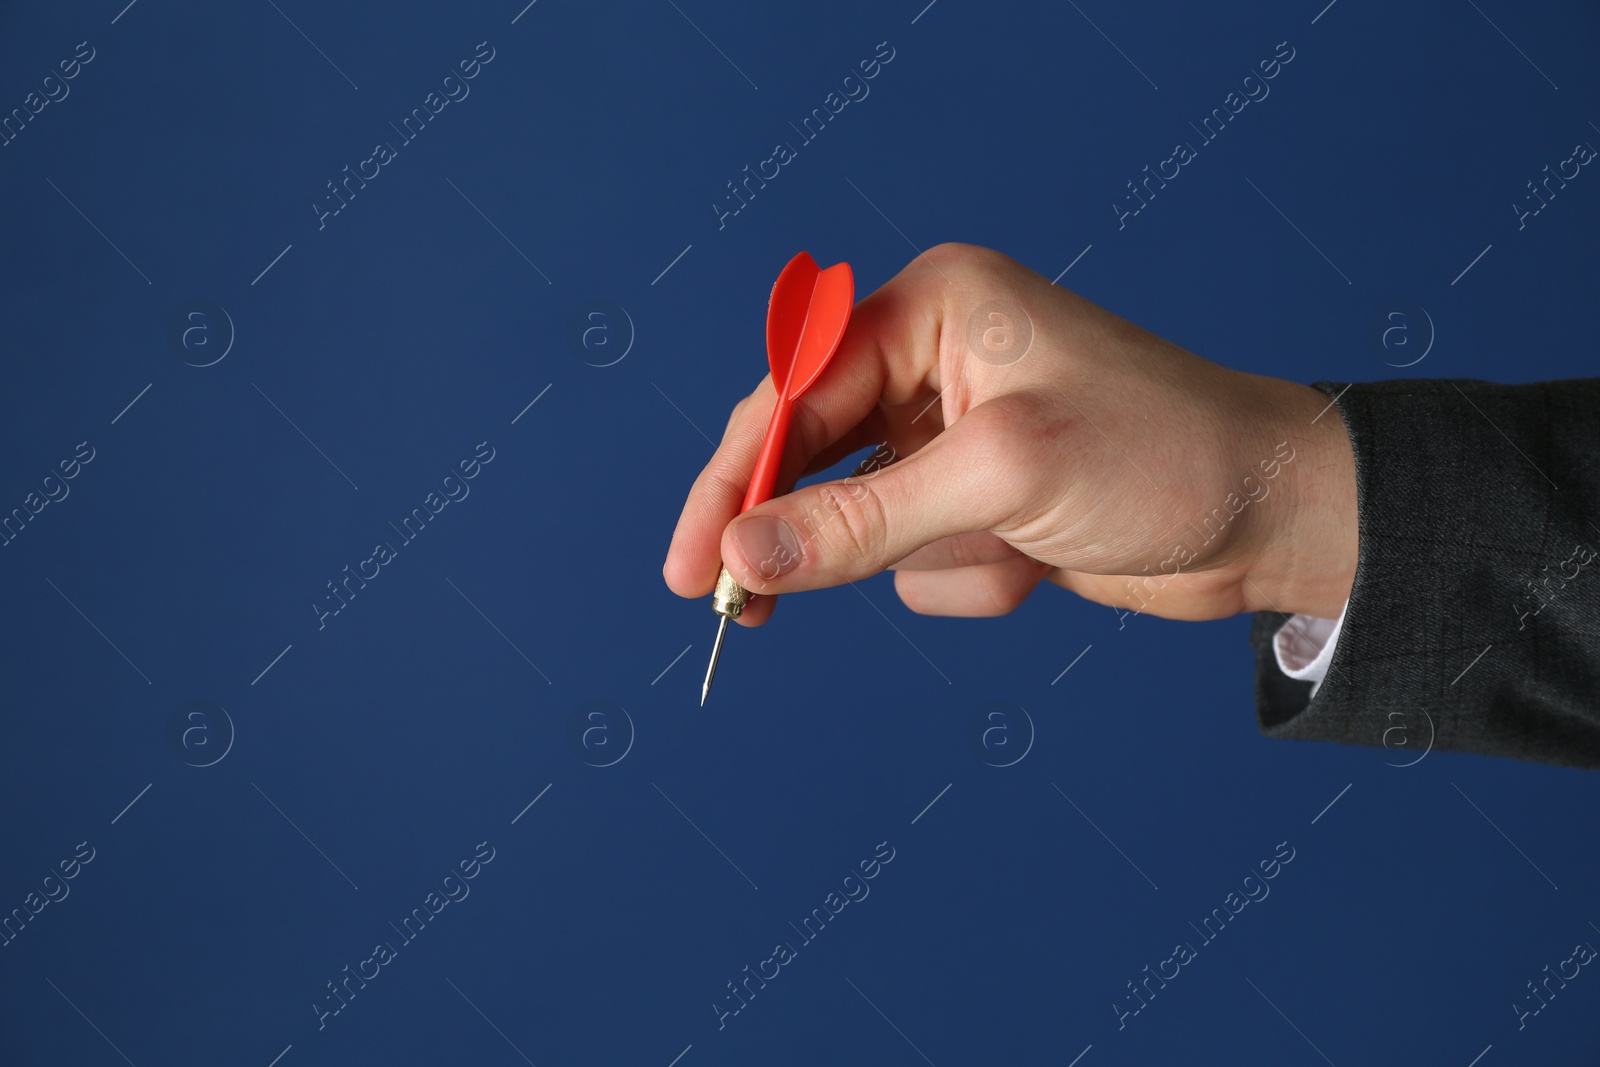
x,y
730,597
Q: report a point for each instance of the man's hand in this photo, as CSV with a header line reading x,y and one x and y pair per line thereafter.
x,y
1034,435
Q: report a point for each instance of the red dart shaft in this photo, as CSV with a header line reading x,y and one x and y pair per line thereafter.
x,y
765,478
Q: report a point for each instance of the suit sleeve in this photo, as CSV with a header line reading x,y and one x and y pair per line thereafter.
x,y
1474,621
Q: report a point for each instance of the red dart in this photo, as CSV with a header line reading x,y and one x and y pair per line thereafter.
x,y
806,316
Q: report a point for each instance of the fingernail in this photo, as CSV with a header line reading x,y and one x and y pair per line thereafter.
x,y
769,545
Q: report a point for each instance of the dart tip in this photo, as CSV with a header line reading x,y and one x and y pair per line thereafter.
x,y
716,654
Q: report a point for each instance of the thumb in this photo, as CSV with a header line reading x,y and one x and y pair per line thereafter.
x,y
842,531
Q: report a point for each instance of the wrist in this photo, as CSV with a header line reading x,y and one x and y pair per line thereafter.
x,y
1307,560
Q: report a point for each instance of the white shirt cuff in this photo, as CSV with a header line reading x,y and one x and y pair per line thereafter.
x,y
1304,646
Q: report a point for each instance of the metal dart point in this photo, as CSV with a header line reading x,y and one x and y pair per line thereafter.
x,y
728,601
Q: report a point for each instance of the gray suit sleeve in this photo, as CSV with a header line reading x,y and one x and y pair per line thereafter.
x,y
1474,622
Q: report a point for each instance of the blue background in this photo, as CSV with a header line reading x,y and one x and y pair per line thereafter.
x,y
372,755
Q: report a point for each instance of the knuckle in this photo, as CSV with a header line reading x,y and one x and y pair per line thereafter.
x,y
952,250
1006,466
745,410
1014,427
737,413
971,262
719,481
999,435
959,253
851,524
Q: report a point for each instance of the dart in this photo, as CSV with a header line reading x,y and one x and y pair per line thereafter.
x,y
806,316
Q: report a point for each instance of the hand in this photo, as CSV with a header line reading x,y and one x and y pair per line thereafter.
x,y
1108,460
